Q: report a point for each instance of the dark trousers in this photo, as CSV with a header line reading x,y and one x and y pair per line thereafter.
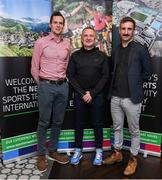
x,y
52,100
95,108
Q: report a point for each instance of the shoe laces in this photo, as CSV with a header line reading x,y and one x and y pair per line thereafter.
x,y
76,154
131,160
98,155
114,152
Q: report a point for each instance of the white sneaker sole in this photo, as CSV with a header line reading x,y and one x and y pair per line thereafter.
x,y
97,164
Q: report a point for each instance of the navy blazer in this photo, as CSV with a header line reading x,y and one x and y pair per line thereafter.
x,y
139,70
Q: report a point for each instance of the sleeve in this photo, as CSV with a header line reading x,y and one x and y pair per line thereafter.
x,y
71,75
146,63
35,64
104,78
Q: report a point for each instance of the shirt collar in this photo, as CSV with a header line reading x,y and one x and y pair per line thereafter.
x,y
129,44
91,50
52,37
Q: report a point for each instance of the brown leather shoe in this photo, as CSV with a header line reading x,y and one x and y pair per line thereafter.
x,y
60,158
116,156
41,163
131,167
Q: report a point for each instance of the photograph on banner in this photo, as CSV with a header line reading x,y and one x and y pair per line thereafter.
x,y
80,14
148,17
22,22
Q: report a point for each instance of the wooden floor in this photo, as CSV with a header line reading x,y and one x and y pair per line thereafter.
x,y
148,168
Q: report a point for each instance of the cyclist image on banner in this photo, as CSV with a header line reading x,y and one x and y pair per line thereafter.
x,y
80,14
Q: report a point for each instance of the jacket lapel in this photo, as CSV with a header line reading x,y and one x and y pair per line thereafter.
x,y
131,54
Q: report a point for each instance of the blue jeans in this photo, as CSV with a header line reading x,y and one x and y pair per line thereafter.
x,y
52,99
121,107
95,108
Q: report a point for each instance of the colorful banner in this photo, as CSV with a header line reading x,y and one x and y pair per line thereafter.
x,y
19,146
23,21
148,17
150,142
20,25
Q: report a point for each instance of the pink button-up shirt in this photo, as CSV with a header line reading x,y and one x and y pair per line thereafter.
x,y
50,58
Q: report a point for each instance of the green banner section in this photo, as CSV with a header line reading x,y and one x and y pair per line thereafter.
x,y
30,139
151,138
145,137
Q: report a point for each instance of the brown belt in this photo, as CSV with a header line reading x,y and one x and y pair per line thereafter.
x,y
58,82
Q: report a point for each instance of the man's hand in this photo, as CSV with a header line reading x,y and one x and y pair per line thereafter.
x,y
87,97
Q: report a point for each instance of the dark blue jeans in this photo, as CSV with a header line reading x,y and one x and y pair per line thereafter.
x,y
52,99
95,108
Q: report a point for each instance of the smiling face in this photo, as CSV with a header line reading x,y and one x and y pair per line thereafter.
x,y
57,25
126,31
88,38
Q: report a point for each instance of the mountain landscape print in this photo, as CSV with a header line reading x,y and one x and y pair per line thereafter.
x,y
22,22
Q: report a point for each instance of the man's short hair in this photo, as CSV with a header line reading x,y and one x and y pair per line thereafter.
x,y
88,27
57,13
128,19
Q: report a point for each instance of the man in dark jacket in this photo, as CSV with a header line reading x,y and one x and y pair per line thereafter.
x,y
88,73
131,66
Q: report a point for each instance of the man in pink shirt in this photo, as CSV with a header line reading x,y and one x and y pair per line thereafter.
x,y
48,68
